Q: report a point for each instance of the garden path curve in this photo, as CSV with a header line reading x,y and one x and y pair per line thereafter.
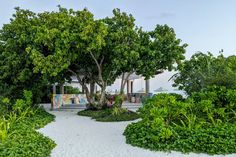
x,y
78,136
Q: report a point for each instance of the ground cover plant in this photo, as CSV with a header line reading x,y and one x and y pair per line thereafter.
x,y
18,135
204,122
110,115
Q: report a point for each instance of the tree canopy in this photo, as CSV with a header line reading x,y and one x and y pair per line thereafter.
x,y
53,46
16,66
204,70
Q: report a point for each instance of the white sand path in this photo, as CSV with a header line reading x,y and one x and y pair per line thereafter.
x,y
78,136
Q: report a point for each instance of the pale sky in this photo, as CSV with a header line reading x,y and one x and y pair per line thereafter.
x,y
205,25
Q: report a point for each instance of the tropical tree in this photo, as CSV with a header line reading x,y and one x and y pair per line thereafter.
x,y
95,51
156,51
122,43
67,43
16,66
203,70
53,46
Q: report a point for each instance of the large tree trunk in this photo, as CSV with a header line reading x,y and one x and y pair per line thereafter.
x,y
88,94
103,95
89,97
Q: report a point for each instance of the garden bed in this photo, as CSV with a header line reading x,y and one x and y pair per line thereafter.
x,y
106,115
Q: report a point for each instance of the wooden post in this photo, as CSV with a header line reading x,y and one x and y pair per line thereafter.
x,y
62,89
54,89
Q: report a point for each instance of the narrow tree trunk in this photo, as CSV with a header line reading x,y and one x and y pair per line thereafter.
x,y
87,93
92,87
124,80
122,84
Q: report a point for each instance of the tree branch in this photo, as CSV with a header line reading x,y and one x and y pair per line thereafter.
x,y
127,77
101,61
98,66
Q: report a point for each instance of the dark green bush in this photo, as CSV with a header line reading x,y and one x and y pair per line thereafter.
x,y
215,140
108,115
4,106
194,125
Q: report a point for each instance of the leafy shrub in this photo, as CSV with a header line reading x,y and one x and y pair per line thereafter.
x,y
215,140
18,113
177,96
23,140
219,95
4,129
18,136
193,125
118,100
22,104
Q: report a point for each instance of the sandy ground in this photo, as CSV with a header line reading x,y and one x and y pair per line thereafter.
x,y
78,136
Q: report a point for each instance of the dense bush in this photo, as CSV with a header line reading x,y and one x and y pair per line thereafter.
x,y
18,136
23,140
201,123
17,106
4,105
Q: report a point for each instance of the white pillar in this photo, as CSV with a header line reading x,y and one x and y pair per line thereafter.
x,y
147,86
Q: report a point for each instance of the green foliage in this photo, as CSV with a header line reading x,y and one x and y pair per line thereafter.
x,y
118,100
72,90
177,96
23,107
18,136
23,140
16,66
204,70
216,140
160,50
200,123
4,106
4,128
110,115
77,44
117,111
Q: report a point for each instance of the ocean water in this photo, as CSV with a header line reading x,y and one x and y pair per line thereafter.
x,y
181,92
